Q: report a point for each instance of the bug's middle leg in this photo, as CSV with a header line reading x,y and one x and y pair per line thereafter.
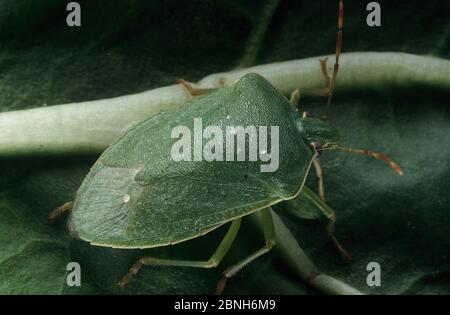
x,y
270,237
212,262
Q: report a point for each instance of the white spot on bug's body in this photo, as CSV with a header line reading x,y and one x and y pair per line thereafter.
x,y
228,117
126,198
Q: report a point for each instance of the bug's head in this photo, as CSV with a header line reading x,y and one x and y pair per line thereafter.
x,y
317,133
320,135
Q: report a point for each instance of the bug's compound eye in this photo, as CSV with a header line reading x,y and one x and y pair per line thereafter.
x,y
317,147
307,115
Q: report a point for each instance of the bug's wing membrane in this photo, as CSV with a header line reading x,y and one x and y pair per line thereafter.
x,y
136,195
106,205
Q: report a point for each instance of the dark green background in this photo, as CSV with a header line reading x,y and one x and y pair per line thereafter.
x,y
130,46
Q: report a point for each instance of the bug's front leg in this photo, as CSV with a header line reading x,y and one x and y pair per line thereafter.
x,y
325,91
319,174
296,94
320,205
326,76
193,91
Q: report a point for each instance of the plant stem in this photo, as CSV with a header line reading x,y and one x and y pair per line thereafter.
x,y
289,250
93,126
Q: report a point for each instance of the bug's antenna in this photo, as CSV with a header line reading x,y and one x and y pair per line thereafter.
x,y
372,154
338,52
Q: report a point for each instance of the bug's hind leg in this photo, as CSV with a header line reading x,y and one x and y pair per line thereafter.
x,y
55,214
193,91
269,235
212,262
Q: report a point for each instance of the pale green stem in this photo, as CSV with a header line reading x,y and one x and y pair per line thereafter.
x,y
92,126
288,249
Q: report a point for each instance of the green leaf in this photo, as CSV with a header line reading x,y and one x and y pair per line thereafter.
x,y
126,47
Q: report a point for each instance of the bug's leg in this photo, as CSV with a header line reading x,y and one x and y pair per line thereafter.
x,y
330,215
212,262
317,151
319,174
269,235
326,76
295,98
295,95
55,214
325,92
192,90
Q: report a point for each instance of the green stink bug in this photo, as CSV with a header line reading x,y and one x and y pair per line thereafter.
x,y
137,195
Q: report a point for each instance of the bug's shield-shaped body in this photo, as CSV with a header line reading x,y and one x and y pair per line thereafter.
x,y
137,196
